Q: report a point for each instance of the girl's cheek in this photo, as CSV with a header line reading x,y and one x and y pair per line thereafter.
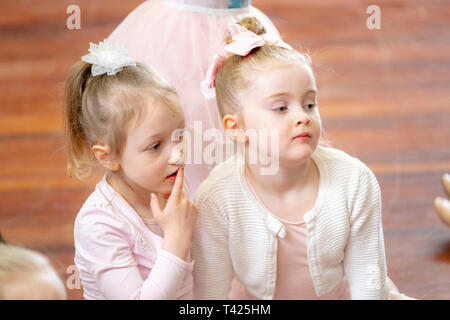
x,y
316,114
318,119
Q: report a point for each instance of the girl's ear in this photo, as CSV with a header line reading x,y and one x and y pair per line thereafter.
x,y
103,155
234,128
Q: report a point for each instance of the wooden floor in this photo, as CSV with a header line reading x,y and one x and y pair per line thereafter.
x,y
384,98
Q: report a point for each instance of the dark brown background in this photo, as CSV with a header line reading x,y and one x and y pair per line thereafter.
x,y
383,97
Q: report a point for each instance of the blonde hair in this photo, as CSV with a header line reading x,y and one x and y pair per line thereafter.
x,y
19,265
100,109
232,75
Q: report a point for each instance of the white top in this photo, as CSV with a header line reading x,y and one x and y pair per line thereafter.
x,y
236,236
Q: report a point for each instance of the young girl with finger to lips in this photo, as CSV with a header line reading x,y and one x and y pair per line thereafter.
x,y
133,233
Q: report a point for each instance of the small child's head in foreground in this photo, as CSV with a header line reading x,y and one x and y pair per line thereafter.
x,y
270,87
127,120
28,275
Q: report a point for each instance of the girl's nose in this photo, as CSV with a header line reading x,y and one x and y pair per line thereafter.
x,y
177,155
302,118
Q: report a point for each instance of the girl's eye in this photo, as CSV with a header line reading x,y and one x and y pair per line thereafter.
x,y
154,147
281,109
309,106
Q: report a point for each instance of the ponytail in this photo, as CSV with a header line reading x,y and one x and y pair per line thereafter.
x,y
77,144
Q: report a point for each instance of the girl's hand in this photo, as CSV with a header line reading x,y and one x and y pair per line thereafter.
x,y
177,220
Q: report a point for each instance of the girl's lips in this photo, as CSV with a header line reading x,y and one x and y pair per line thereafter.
x,y
173,176
303,136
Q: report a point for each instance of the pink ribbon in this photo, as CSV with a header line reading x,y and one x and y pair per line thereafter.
x,y
243,41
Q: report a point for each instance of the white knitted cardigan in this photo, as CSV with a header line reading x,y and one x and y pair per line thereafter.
x,y
236,236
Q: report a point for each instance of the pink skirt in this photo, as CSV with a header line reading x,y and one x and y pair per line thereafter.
x,y
179,38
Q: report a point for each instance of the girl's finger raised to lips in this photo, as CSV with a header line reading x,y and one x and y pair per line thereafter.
x,y
178,185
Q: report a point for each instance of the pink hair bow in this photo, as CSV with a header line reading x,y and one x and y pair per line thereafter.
x,y
243,41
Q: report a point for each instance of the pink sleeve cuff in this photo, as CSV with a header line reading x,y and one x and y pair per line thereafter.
x,y
168,278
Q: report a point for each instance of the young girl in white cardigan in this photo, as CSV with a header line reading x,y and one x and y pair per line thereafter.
x,y
312,229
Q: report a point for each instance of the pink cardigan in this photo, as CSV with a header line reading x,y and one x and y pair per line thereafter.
x,y
118,257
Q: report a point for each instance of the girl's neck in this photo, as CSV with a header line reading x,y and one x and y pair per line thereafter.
x,y
285,181
137,197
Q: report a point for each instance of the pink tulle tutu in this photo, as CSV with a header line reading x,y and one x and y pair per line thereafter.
x,y
179,39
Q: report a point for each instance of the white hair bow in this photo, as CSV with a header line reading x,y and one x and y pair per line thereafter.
x,y
105,58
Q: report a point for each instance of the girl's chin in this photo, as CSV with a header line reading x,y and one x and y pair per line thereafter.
x,y
298,156
164,188
167,186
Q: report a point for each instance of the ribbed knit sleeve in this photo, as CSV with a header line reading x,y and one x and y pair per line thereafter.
x,y
213,270
364,262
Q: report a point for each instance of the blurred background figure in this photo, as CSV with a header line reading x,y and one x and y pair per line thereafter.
x,y
442,205
28,275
